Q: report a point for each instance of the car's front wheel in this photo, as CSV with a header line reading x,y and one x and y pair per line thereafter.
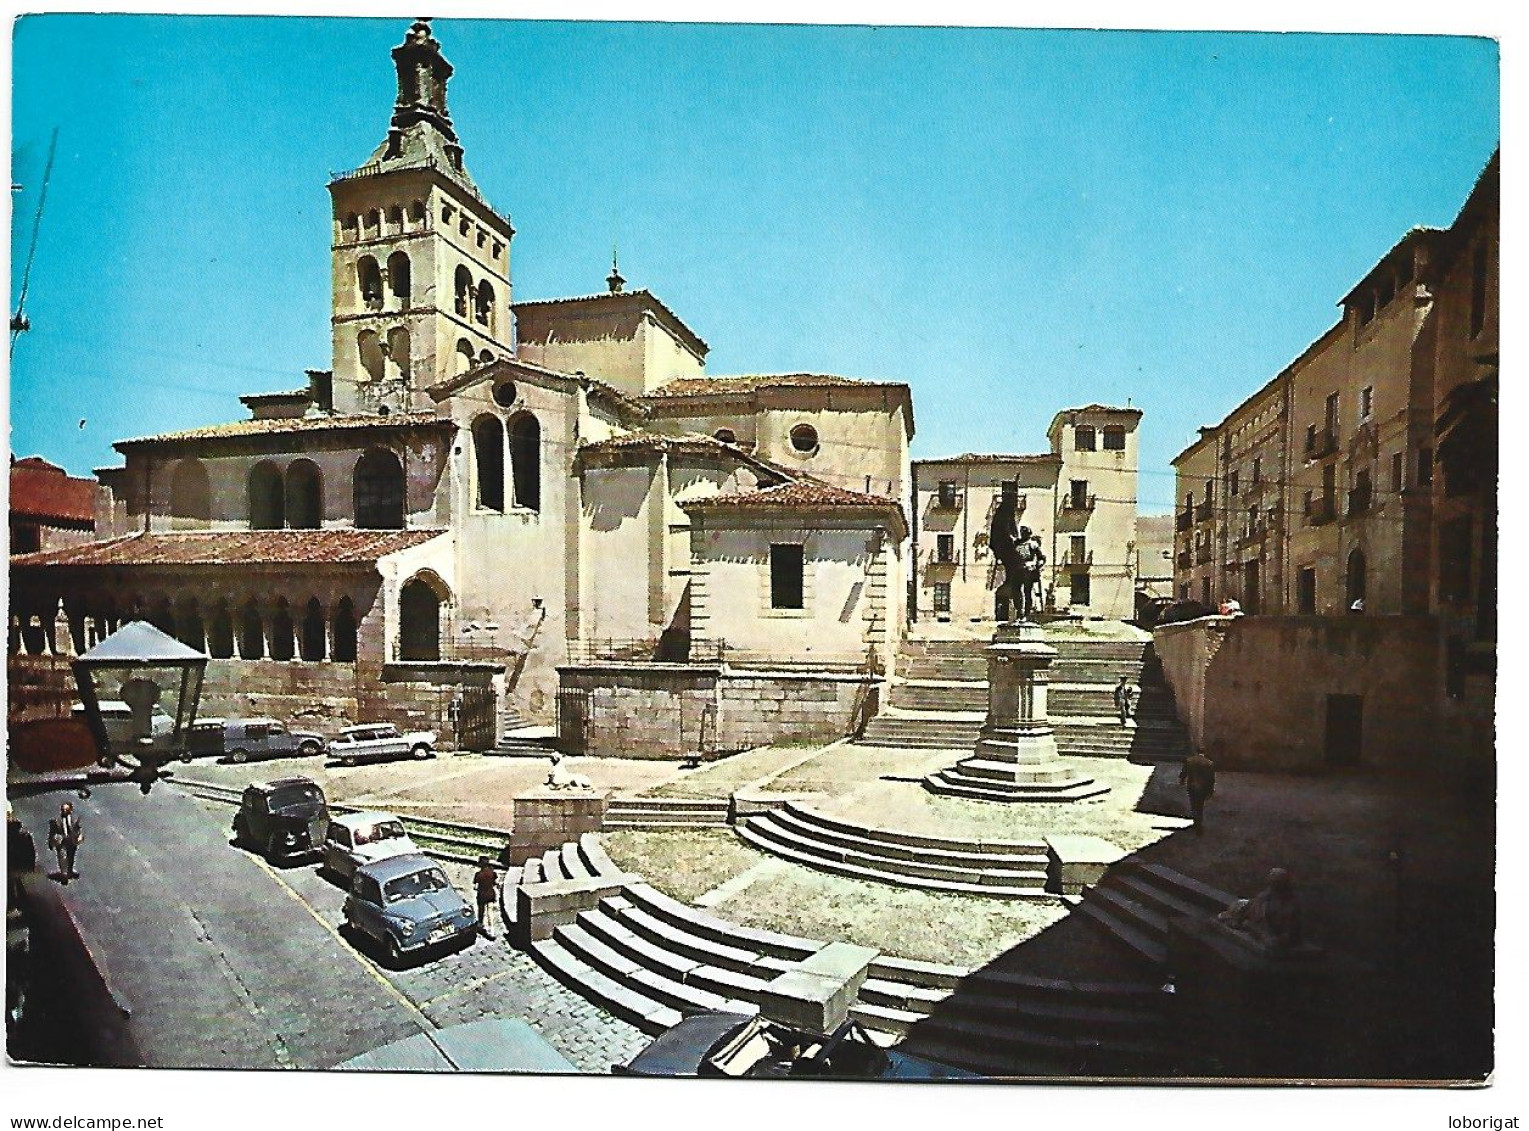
x,y
238,755
309,749
421,751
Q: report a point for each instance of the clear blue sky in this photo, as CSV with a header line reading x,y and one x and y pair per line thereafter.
x,y
1010,221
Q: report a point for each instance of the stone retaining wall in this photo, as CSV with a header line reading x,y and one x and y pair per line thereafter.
x,y
650,710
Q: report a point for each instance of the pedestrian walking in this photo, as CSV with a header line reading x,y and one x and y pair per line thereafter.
x,y
64,835
486,881
20,858
1198,777
1125,699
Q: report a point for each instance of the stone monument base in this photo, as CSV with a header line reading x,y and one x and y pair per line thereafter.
x,y
546,818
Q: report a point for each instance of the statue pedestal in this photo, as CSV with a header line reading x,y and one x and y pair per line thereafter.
x,y
1016,757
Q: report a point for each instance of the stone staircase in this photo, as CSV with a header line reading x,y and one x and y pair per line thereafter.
x,y
1134,902
652,960
666,813
939,700
1002,869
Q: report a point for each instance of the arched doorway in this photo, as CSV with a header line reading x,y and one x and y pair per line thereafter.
x,y
419,613
525,461
266,497
190,496
305,495
345,632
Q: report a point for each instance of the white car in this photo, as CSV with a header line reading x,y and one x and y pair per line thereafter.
x,y
378,741
359,839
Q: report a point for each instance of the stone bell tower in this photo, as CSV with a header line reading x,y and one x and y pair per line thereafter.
x,y
420,261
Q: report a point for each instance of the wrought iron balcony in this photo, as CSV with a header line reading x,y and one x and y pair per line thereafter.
x,y
1078,503
1324,442
1183,520
1080,561
1322,512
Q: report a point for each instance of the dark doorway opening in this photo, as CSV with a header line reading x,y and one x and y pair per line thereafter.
x,y
1344,739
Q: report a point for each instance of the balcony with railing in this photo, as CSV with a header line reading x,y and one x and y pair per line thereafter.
x,y
1183,520
1077,561
1202,555
946,501
1183,559
1204,512
1360,500
1321,513
1079,502
1323,442
1252,532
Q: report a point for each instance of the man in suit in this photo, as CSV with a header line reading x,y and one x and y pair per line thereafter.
x,y
1198,776
64,836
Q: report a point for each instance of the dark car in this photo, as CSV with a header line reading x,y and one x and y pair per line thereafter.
x,y
285,819
735,1044
407,905
1180,611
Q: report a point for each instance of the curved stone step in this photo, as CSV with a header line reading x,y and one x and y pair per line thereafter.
x,y
1062,1016
920,842
677,981
773,943
650,1016
676,940
778,846
977,868
953,784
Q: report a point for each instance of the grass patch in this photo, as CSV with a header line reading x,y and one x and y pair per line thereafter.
x,y
684,863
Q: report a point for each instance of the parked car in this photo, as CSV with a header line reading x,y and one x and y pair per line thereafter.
x,y
406,904
718,1043
245,740
358,839
285,819
1179,611
117,718
379,741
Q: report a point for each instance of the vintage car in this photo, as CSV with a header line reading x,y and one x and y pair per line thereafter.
x,y
245,740
379,741
285,819
407,906
717,1043
358,839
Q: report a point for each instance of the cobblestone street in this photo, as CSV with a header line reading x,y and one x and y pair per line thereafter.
x,y
229,963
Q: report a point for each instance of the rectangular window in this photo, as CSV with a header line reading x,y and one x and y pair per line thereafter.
x,y
786,563
1078,549
1009,490
942,596
1455,560
1397,464
1306,591
947,493
1114,439
1330,415
945,548
1311,439
1366,401
1078,496
1083,439
1231,483
1306,503
1329,483
1425,467
1258,471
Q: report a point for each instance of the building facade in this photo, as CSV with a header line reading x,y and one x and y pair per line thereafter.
x,y
478,492
1079,499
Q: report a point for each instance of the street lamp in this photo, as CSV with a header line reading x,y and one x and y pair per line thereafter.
x,y
139,690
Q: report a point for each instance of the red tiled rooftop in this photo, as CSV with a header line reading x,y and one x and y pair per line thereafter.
x,y
993,457
281,425
794,495
751,382
234,547
42,490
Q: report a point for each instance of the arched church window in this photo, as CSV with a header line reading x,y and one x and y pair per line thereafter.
x,y
369,282
251,632
266,497
379,491
190,496
373,224
488,459
525,461
485,356
485,305
465,358
369,346
804,439
220,633
395,219
464,290
399,361
304,495
417,215
350,228
399,278
281,631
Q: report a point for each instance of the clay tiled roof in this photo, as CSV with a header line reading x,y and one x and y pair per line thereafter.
x,y
692,442
802,496
752,382
41,490
239,429
993,457
240,548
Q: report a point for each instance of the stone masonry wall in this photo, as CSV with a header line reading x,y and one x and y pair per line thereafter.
x,y
643,710
1253,690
